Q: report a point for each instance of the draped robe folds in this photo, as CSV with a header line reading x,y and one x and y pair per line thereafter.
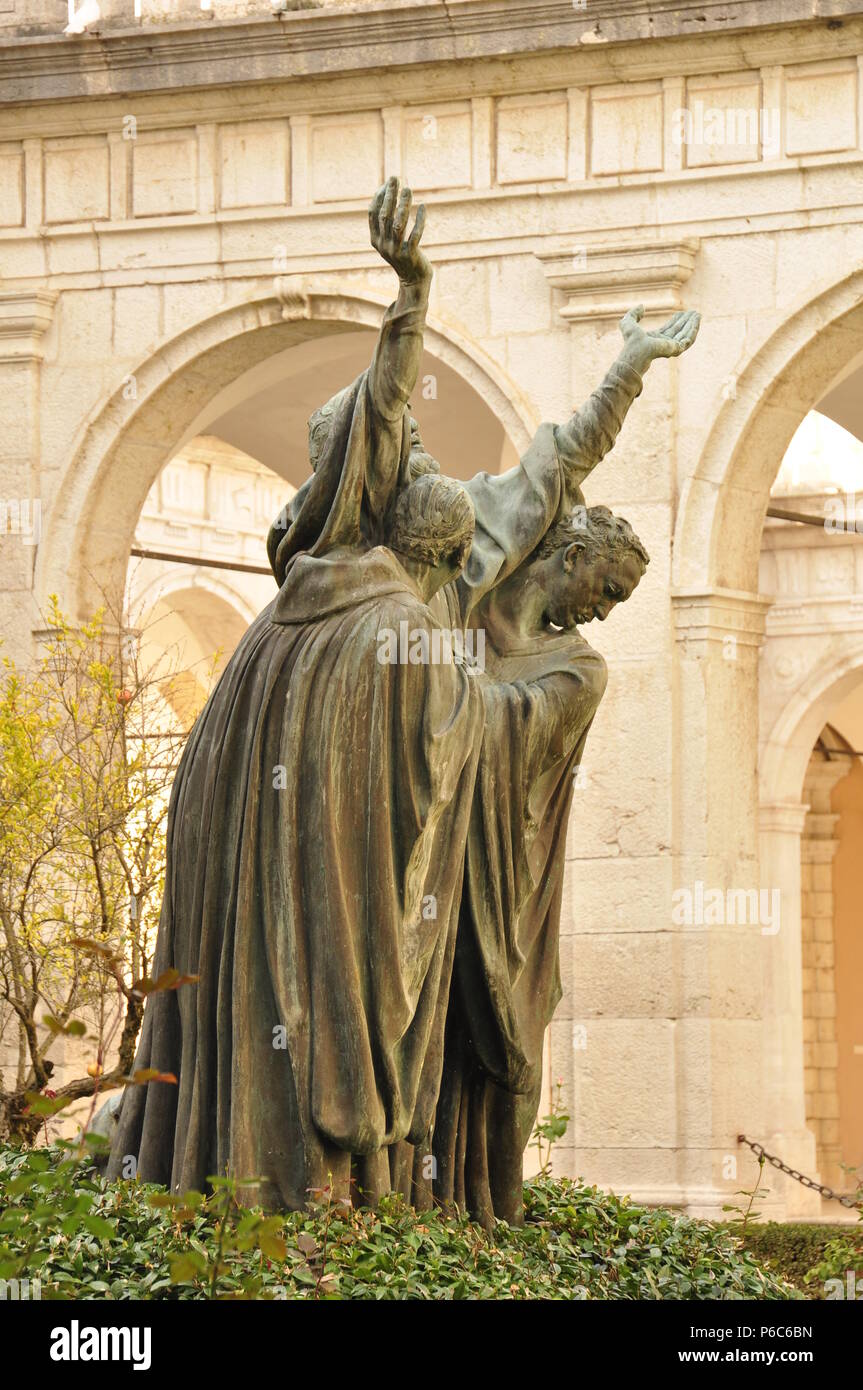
x,y
322,800
316,1030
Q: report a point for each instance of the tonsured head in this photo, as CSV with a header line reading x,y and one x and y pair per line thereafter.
x,y
590,562
431,529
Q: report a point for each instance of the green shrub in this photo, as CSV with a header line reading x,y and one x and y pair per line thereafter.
x,y
87,1239
807,1255
842,1255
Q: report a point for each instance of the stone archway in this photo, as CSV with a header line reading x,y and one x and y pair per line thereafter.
x,y
170,586
788,845
721,514
798,844
187,626
122,446
789,743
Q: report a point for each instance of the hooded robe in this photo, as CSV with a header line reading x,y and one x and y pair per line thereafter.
x,y
319,813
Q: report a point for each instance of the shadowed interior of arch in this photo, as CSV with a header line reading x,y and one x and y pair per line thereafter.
x,y
251,379
266,410
240,460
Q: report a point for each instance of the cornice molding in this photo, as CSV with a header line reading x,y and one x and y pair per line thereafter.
x,y
713,615
25,316
603,281
782,817
325,43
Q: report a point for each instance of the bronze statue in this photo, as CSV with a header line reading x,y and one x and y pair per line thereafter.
x,y
366,844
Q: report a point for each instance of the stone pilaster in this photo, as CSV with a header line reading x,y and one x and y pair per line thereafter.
x,y
25,316
786,1132
818,983
718,984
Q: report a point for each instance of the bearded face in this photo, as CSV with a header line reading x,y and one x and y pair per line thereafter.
x,y
421,461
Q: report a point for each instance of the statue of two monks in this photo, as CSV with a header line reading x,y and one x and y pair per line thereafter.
x,y
366,853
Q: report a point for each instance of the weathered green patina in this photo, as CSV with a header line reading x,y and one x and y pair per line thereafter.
x,y
366,842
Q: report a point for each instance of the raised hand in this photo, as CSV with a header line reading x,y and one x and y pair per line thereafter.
x,y
640,348
389,214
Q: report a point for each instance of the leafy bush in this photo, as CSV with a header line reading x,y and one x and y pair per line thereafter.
x,y
842,1255
89,746
807,1255
87,1239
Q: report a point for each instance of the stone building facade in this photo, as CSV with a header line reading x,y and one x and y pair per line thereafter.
x,y
183,234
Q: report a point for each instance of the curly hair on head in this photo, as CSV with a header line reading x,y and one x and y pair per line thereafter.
x,y
597,530
432,517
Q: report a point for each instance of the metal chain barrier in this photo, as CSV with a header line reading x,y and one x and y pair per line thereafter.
x,y
846,1199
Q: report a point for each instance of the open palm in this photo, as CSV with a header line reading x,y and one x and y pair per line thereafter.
x,y
642,347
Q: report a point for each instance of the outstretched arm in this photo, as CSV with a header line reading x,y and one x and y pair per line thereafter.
x,y
396,362
592,430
